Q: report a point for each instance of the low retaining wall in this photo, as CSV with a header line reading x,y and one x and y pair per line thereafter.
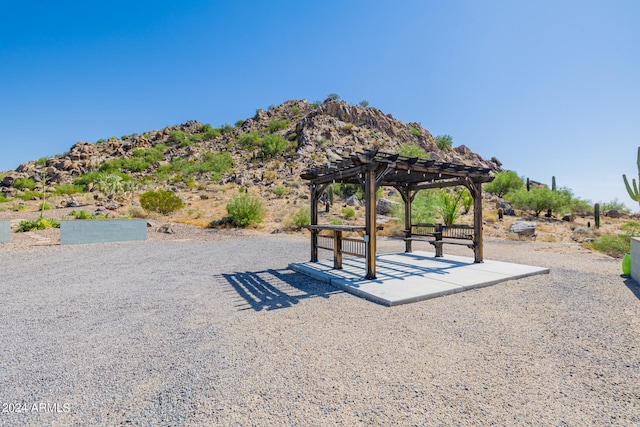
x,y
635,259
5,231
79,231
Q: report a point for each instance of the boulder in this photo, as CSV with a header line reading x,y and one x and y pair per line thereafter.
x,y
613,213
353,200
506,208
386,206
8,181
523,228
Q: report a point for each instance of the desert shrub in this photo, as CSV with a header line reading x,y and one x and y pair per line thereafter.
x,y
245,210
82,214
41,161
280,191
114,183
364,103
300,218
294,110
226,128
333,96
220,163
444,142
176,137
249,141
615,245
161,201
415,131
348,128
615,204
24,183
150,155
411,150
38,224
504,183
209,132
276,125
69,189
30,195
135,164
3,198
273,145
44,207
348,212
96,176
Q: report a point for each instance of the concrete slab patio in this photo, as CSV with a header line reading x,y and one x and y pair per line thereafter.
x,y
404,278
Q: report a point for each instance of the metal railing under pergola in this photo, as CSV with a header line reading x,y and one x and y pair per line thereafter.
x,y
373,169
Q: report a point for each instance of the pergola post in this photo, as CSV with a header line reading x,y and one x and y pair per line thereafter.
x,y
370,221
477,222
314,221
407,197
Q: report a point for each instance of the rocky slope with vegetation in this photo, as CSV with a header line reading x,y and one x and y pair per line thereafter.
x,y
200,171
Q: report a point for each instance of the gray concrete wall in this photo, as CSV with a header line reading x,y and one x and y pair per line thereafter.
x,y
5,231
635,259
100,231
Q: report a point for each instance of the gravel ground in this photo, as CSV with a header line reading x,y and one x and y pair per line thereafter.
x,y
217,331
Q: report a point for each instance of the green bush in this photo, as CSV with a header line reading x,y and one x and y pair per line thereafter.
x,y
41,161
615,245
415,131
161,201
69,189
209,132
273,145
81,214
615,204
348,212
411,150
504,183
300,218
24,183
280,191
96,176
276,125
30,195
444,142
249,141
244,210
176,137
150,155
3,198
424,207
38,224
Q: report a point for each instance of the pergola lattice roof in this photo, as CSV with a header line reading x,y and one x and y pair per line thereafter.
x,y
400,171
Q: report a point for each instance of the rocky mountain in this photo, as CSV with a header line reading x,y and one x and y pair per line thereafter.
x,y
274,146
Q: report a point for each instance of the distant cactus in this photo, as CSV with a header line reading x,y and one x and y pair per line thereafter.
x,y
528,184
330,191
633,193
553,183
596,214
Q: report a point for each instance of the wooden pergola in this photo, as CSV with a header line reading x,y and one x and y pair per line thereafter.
x,y
408,175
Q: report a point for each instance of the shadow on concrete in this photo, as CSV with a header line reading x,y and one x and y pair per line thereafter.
x,y
275,289
632,285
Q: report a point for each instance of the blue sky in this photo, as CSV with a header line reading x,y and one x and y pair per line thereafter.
x,y
548,87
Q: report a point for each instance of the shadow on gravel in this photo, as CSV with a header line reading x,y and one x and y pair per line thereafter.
x,y
632,285
274,289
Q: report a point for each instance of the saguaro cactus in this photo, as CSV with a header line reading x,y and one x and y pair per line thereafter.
x,y
596,214
553,183
528,184
633,192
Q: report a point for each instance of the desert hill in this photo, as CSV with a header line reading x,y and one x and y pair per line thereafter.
x,y
271,148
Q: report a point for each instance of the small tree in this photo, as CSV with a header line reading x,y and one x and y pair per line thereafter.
x,y
504,183
333,96
450,206
537,200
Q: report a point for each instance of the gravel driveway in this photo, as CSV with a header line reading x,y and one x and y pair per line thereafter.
x,y
171,333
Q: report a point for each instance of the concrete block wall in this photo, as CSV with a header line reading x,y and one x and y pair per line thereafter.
x,y
635,259
5,231
101,231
